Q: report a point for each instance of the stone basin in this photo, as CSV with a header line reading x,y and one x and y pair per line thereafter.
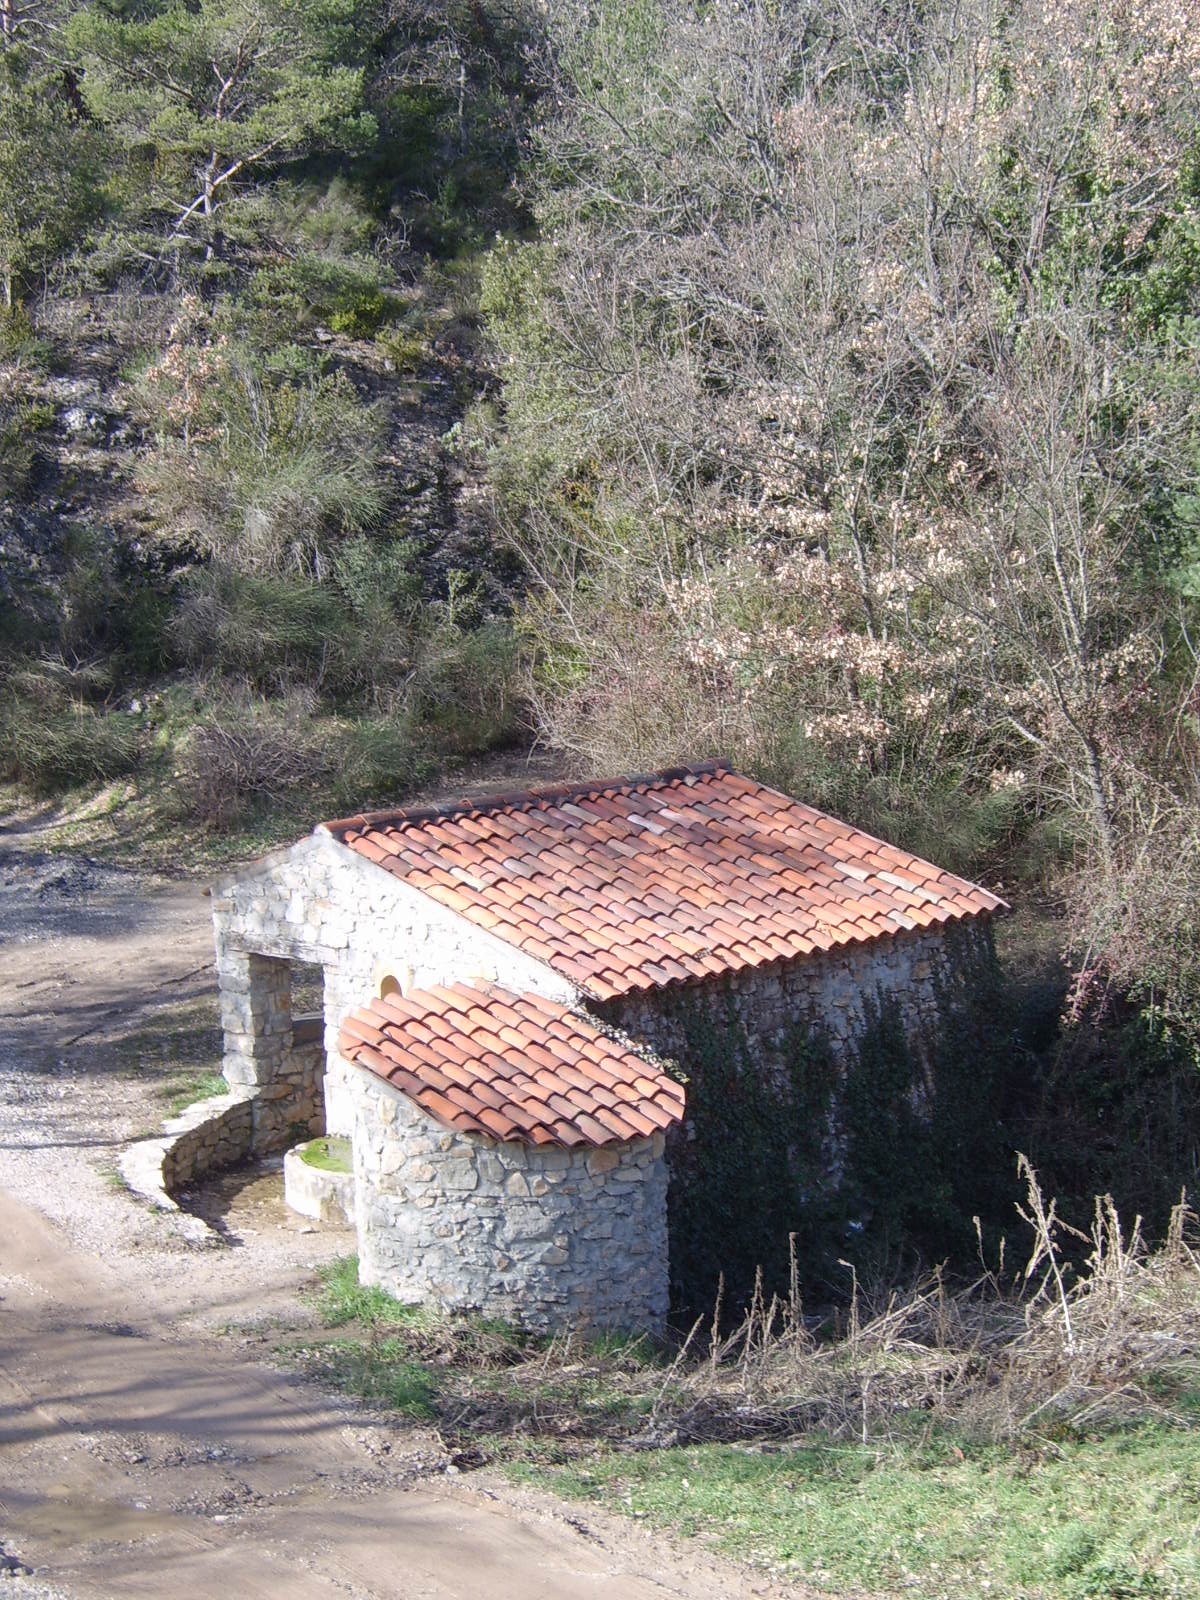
x,y
318,1181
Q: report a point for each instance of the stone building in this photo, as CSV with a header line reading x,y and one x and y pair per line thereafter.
x,y
502,979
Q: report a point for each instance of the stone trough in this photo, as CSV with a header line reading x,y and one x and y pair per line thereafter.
x,y
323,1192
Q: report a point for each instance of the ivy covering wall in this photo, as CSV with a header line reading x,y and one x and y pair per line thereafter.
x,y
873,1160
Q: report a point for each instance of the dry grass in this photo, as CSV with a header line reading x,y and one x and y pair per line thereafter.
x,y
1111,1341
1115,1339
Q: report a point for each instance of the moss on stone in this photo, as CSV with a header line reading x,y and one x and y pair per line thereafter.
x,y
328,1154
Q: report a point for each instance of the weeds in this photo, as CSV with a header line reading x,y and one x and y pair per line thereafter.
x,y
1053,1352
179,1092
482,1377
1116,1342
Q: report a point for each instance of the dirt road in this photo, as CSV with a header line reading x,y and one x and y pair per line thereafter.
x,y
138,1462
144,1449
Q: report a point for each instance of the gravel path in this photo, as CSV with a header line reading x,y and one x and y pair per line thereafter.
x,y
96,967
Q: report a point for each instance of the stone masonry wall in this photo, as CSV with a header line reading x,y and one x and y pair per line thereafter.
x,y
821,992
210,1134
319,902
543,1237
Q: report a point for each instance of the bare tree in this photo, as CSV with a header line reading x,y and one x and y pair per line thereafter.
x,y
831,434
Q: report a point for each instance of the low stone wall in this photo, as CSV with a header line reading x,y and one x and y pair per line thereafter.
x,y
224,1129
212,1133
543,1237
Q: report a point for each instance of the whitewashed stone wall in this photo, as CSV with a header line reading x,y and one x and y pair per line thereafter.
x,y
542,1237
826,991
319,902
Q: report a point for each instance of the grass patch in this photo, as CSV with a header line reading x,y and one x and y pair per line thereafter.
x,y
178,1093
479,1380
327,1153
381,1370
343,1299
1113,1515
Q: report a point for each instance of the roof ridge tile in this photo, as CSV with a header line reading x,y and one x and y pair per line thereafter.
x,y
518,799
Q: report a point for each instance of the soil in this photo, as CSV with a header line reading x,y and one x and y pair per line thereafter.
x,y
147,1443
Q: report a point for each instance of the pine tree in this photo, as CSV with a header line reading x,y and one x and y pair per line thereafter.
x,y
217,92
50,170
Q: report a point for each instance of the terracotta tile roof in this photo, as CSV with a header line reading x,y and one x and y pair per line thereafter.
x,y
510,1066
654,880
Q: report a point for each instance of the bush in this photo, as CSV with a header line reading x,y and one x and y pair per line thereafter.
x,y
1114,1107
468,694
387,616
357,637
265,468
344,291
93,597
22,419
1139,921
407,349
239,756
19,339
51,738
245,756
380,758
269,629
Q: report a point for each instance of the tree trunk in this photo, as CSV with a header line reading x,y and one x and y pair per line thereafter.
x,y
209,174
1100,809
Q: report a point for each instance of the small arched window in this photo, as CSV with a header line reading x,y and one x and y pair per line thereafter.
x,y
388,985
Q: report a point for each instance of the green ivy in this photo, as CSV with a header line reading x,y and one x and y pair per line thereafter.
x,y
926,1144
750,1169
883,1163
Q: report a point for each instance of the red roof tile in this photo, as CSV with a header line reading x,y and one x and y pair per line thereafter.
x,y
556,1078
662,879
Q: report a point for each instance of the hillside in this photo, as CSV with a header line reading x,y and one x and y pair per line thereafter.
x,y
243,556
